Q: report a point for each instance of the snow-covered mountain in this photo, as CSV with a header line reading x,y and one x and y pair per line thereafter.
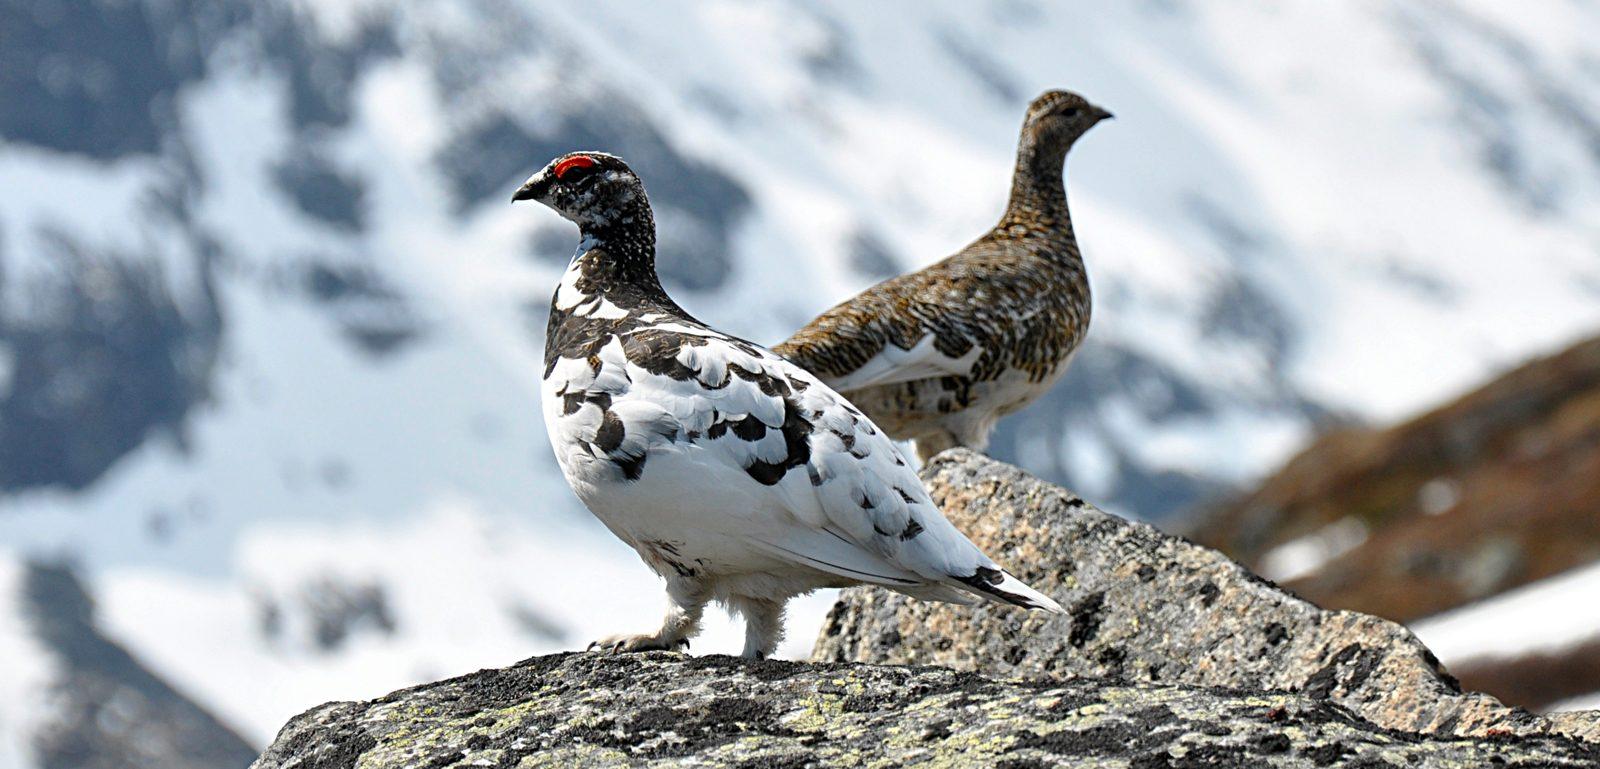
x,y
270,332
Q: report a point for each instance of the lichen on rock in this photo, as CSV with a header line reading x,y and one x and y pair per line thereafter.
x,y
601,710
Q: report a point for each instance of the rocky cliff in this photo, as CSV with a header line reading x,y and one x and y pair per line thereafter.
x,y
1172,655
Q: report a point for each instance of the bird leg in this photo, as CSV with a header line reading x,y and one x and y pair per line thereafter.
x,y
930,444
685,603
763,625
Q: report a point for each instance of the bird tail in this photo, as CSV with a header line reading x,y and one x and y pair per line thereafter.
x,y
1004,587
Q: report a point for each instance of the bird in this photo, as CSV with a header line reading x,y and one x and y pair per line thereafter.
x,y
938,356
736,475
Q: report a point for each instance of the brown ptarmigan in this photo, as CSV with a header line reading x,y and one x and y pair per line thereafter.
x,y
938,356
736,475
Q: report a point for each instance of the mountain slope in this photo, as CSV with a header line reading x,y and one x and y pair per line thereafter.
x,y
1497,489
1479,521
73,698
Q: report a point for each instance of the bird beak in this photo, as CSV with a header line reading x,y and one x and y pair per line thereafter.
x,y
531,189
1103,115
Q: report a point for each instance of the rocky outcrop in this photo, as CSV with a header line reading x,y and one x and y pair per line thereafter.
x,y
1145,606
599,710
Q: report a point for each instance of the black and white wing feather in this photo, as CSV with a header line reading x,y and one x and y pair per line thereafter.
x,y
826,488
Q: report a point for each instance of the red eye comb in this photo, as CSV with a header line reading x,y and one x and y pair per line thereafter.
x,y
576,161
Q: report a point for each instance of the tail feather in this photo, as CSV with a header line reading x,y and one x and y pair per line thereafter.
x,y
1002,586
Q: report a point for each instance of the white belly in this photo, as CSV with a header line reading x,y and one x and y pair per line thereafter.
x,y
686,516
688,521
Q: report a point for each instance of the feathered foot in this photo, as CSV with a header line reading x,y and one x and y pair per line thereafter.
x,y
630,642
685,602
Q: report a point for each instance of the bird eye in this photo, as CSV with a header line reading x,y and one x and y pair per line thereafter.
x,y
575,162
1069,112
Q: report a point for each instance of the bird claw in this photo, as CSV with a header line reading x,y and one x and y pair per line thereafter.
x,y
622,644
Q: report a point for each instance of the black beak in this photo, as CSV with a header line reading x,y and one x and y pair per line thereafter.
x,y
1102,114
527,191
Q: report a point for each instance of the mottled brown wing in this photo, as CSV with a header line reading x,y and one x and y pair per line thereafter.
x,y
966,316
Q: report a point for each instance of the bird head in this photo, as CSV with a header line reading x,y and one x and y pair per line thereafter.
x,y
590,189
1057,118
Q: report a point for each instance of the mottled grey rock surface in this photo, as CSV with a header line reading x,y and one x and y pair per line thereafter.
x,y
600,710
1145,606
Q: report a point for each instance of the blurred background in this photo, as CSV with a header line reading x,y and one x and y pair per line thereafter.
x,y
270,333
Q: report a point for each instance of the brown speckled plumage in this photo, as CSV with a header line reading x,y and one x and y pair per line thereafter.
x,y
939,355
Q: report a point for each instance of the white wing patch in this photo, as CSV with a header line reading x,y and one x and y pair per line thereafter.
x,y
893,364
600,307
679,328
567,294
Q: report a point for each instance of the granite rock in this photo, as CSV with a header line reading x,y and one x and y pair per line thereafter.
x,y
1146,606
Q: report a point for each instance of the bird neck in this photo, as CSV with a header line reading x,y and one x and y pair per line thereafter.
x,y
617,253
1038,204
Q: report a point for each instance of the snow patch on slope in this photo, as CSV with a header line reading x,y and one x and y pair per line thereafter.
x,y
1549,615
1301,556
1586,702
25,671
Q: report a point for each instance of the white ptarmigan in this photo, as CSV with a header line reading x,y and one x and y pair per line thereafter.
x,y
737,476
939,355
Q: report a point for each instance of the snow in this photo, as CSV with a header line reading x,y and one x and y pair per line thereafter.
x,y
58,185
1092,465
340,20
1438,496
1586,702
1303,555
25,673
1547,616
